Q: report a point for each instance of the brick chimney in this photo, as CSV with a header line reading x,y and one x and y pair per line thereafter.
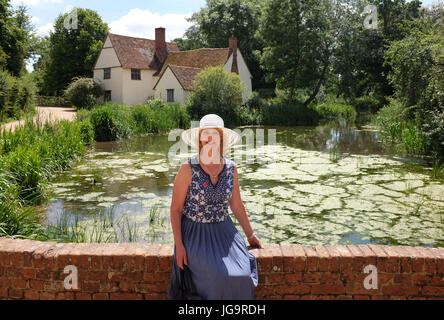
x,y
232,45
160,38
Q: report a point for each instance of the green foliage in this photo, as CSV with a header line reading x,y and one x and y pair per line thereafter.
x,y
84,92
366,103
396,129
14,39
281,111
17,95
417,63
112,121
73,52
157,116
332,111
219,20
297,43
216,91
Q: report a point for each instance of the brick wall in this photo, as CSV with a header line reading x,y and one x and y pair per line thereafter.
x,y
35,270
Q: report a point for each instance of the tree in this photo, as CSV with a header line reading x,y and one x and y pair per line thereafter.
x,y
215,91
297,37
222,19
13,39
73,51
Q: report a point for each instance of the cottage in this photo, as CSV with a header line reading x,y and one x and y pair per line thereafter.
x,y
133,70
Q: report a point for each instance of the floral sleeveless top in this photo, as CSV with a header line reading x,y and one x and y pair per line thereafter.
x,y
205,202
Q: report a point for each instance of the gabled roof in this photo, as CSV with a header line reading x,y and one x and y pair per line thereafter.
x,y
198,58
135,52
185,75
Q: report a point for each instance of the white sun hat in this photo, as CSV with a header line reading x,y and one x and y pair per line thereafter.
x,y
191,136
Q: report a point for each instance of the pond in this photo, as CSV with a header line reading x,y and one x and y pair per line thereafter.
x,y
326,184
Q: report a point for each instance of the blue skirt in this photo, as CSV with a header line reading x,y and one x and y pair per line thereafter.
x,y
221,266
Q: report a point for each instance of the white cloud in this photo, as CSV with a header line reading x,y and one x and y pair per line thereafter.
x,y
35,20
44,30
141,23
34,2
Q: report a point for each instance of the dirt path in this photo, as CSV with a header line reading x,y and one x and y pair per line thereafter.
x,y
45,114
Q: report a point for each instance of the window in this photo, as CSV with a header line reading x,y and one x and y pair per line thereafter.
x,y
107,95
170,95
135,74
107,73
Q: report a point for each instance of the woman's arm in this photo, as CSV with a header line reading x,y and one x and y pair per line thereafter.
x,y
180,188
237,206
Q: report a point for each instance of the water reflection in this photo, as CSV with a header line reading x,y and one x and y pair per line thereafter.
x,y
366,194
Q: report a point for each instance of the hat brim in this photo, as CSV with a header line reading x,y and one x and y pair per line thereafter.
x,y
191,138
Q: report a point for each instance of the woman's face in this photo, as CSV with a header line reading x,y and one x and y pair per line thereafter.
x,y
210,140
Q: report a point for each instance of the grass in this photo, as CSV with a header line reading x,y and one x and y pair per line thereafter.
x,y
104,228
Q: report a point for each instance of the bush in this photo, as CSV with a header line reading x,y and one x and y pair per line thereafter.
x,y
216,91
332,111
111,122
282,112
84,92
17,95
366,104
157,116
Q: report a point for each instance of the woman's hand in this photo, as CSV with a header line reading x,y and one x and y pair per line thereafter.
x,y
181,255
255,242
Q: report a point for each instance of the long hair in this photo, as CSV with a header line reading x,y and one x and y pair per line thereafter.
x,y
221,135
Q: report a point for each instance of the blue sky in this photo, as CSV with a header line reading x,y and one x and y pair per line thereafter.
x,y
136,18
131,17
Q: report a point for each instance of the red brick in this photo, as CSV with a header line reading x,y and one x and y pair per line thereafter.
x,y
126,296
288,258
15,293
65,296
300,258
433,291
19,283
90,286
400,290
405,279
291,297
155,296
277,259
32,295
292,289
165,252
100,296
28,273
358,258
83,296
156,277
293,278
275,278
47,295
36,284
393,261
312,259
311,277
328,289
329,278
335,262
360,297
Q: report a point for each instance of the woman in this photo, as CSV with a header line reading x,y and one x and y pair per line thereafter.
x,y
206,240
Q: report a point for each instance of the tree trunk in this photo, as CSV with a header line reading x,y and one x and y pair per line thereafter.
x,y
318,86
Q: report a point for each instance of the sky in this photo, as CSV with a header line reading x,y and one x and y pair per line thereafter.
x,y
137,18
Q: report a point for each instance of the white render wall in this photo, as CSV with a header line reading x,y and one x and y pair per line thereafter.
x,y
244,74
115,84
137,91
169,81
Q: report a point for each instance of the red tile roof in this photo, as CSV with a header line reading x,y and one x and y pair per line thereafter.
x,y
198,58
185,75
136,53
